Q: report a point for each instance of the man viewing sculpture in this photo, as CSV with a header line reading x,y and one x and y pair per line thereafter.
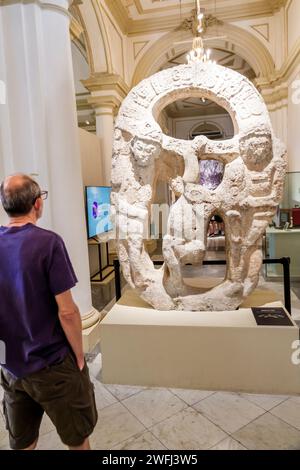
x,y
40,324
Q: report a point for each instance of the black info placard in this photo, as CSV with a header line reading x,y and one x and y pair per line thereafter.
x,y
273,316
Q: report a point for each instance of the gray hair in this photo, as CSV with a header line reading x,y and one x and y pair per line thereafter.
x,y
19,199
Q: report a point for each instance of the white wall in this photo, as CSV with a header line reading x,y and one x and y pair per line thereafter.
x,y
278,115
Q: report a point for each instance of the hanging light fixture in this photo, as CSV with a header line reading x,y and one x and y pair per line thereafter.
x,y
198,53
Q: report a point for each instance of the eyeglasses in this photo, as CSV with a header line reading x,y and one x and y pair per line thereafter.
x,y
44,194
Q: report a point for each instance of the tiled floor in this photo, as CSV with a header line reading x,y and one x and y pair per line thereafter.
x,y
153,419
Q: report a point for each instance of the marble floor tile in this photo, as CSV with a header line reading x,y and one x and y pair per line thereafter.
x,y
102,395
143,441
228,444
188,430
267,402
95,366
228,410
48,438
190,396
50,441
288,411
268,433
94,357
5,447
121,392
115,424
46,425
154,405
296,399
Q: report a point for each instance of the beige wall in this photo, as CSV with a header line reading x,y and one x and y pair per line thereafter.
x,y
91,163
92,175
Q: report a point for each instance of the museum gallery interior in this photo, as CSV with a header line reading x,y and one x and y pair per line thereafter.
x,y
167,133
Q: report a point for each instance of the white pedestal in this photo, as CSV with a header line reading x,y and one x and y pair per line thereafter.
x,y
197,350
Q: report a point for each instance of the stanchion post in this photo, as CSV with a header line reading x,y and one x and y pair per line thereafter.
x,y
117,279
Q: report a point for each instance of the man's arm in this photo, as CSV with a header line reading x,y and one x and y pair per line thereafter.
x,y
70,321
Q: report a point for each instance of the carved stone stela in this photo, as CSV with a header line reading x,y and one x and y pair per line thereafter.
x,y
246,199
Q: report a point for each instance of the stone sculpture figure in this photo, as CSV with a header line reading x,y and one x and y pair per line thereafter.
x,y
247,198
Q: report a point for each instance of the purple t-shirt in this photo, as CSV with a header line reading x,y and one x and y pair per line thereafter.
x,y
34,268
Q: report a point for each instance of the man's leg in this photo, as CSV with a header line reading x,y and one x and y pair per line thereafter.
x,y
32,446
69,401
22,414
84,446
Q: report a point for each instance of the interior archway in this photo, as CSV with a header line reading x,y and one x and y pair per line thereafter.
x,y
237,40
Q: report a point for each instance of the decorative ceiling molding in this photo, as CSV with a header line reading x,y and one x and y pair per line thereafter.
x,y
246,45
83,43
242,10
192,23
138,47
208,5
120,14
283,75
263,30
98,10
276,5
110,21
76,29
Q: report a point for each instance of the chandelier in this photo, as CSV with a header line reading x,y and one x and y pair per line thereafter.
x,y
198,53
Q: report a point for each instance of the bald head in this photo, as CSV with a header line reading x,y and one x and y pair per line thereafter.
x,y
18,194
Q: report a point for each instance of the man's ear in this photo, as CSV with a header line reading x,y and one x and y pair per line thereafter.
x,y
37,204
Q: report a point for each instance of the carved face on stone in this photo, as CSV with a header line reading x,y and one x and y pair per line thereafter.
x,y
246,199
144,151
257,150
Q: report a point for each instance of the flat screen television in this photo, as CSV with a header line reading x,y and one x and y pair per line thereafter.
x,y
98,210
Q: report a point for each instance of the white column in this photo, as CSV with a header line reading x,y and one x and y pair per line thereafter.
x,y
105,130
38,133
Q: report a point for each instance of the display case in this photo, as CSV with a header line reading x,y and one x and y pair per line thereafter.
x,y
282,243
283,238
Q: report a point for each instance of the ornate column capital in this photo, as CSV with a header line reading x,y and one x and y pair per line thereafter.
x,y
106,81
104,104
273,92
107,89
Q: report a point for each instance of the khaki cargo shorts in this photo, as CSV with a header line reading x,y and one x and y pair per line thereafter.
x,y
62,391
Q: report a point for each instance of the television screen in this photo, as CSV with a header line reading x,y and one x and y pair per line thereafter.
x,y
98,210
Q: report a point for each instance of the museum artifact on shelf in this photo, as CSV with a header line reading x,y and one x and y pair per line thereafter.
x,y
246,199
